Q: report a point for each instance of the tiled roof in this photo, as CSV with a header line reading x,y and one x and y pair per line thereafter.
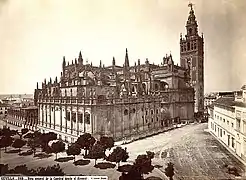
x,y
229,101
3,105
30,107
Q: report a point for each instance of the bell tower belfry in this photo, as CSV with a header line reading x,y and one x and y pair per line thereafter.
x,y
192,58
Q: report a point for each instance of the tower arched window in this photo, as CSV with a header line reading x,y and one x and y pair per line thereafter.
x,y
188,46
190,31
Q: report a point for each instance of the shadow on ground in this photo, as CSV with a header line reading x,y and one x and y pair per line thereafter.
x,y
64,159
13,151
42,155
104,165
81,162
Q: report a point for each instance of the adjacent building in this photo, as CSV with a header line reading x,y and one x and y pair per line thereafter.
x,y
227,121
122,101
3,109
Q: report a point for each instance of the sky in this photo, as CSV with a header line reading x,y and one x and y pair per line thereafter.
x,y
36,34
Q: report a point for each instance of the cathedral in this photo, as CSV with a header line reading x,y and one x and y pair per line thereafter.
x,y
122,101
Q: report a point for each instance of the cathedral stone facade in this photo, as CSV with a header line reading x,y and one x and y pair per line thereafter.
x,y
117,101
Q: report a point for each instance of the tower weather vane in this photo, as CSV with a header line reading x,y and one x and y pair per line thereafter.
x,y
190,5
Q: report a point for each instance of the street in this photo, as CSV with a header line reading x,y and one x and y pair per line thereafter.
x,y
194,152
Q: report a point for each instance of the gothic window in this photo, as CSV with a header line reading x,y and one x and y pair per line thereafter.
x,y
133,110
182,48
152,111
156,111
87,118
188,46
52,109
73,117
194,45
146,113
125,112
144,87
68,116
190,31
80,118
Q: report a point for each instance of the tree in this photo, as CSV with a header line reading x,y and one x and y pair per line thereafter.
x,y
29,136
3,169
6,132
18,143
58,147
143,164
169,170
150,154
24,131
106,142
5,142
96,152
45,138
117,155
74,150
33,144
86,141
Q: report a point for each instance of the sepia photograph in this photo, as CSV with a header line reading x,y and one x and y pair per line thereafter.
x,y
122,89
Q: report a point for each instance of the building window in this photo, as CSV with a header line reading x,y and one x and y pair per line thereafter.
x,y
125,112
157,111
68,116
146,113
152,120
80,118
133,110
157,119
224,132
74,117
152,111
87,118
223,120
52,109
228,123
232,124
220,132
232,142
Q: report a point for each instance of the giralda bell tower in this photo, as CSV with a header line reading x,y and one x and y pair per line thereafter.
x,y
192,58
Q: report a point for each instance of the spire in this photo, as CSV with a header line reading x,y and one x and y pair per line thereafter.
x,y
80,59
139,62
100,64
64,62
50,80
113,62
45,81
37,85
76,61
126,59
72,61
56,79
191,23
